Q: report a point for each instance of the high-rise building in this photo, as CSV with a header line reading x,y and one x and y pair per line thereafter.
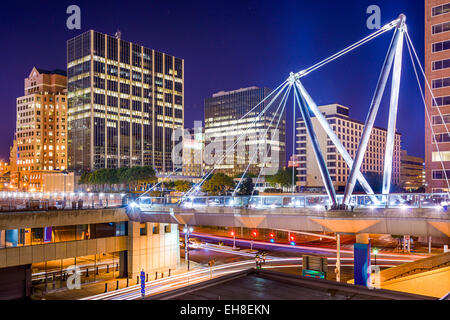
x,y
412,172
14,173
125,101
349,131
41,128
437,69
193,151
224,124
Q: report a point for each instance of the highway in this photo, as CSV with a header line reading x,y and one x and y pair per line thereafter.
x,y
242,260
287,250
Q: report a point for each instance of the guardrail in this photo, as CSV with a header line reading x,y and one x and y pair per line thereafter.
x,y
37,201
438,201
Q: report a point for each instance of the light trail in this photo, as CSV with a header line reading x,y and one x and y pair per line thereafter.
x,y
329,250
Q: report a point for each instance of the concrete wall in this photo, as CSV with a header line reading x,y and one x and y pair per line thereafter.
x,y
46,252
416,266
56,182
434,283
414,222
17,220
153,252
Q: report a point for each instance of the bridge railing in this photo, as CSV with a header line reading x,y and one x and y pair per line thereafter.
x,y
319,202
16,201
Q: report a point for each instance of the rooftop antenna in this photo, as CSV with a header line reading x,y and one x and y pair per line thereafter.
x,y
118,34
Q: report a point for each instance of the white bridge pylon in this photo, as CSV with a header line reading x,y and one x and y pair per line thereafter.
x,y
307,106
395,52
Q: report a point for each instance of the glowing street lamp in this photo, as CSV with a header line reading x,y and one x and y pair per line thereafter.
x,y
375,252
187,231
233,234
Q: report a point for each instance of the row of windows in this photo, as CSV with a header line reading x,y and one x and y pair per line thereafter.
x,y
439,175
441,83
441,64
440,28
440,10
438,119
441,138
441,101
441,46
37,236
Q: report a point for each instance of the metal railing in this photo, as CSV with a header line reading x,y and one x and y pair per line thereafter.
x,y
437,201
37,201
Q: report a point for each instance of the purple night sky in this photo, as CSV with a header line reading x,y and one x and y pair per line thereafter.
x,y
226,45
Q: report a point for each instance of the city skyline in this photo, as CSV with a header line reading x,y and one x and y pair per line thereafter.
x,y
203,48
212,151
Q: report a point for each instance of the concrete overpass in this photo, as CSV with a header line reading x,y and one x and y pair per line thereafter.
x,y
397,214
407,221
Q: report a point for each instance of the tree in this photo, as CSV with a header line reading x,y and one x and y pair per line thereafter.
x,y
84,179
128,176
219,184
247,174
182,186
283,178
247,186
122,177
136,176
168,184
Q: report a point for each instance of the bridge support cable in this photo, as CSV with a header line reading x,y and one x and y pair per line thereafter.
x,y
373,110
293,147
280,90
328,183
339,54
392,124
267,150
409,45
265,135
265,99
334,138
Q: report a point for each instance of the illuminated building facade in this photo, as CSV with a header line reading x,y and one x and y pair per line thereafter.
x,y
437,69
412,172
193,150
41,128
349,131
125,101
223,120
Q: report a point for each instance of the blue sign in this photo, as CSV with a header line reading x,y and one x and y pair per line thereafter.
x,y
143,283
313,274
362,263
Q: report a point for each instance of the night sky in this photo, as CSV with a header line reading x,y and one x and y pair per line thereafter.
x,y
226,45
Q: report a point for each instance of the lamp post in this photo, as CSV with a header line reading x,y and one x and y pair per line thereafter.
x,y
375,252
65,173
187,231
338,257
254,238
234,239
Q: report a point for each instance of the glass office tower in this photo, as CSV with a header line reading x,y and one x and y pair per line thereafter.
x,y
124,102
224,120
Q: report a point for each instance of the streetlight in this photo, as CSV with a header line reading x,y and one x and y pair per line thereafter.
x,y
254,238
233,234
187,231
375,252
65,173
